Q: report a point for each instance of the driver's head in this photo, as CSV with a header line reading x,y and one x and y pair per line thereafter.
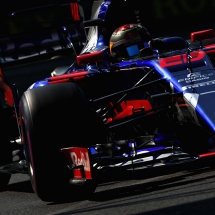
x,y
127,40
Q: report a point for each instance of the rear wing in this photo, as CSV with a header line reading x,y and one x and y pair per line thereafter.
x,y
40,31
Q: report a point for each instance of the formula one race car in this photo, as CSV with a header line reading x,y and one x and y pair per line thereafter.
x,y
148,111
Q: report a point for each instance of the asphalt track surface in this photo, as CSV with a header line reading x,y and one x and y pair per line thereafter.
x,y
187,190
183,192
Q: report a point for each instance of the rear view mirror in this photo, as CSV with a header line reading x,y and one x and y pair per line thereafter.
x,y
202,35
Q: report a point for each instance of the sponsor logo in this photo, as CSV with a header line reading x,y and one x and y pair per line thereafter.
x,y
80,158
181,59
197,76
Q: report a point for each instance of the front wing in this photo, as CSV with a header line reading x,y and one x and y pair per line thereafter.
x,y
83,162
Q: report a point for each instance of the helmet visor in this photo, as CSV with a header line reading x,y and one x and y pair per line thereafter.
x,y
132,50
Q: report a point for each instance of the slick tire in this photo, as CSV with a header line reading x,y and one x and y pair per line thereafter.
x,y
54,117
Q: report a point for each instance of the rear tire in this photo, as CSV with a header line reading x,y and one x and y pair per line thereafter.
x,y
54,117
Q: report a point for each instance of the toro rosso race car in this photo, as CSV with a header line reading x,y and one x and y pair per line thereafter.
x,y
100,114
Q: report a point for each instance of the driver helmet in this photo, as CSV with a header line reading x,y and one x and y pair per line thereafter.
x,y
127,41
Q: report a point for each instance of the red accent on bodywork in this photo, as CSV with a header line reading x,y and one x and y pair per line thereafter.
x,y
89,58
181,59
130,107
139,104
5,88
208,154
79,161
202,35
74,76
126,112
115,110
171,61
75,11
60,81
198,55
184,58
212,46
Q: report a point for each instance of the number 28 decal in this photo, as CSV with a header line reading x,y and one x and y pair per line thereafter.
x,y
181,59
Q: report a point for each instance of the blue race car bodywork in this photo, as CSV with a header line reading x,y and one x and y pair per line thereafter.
x,y
100,115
